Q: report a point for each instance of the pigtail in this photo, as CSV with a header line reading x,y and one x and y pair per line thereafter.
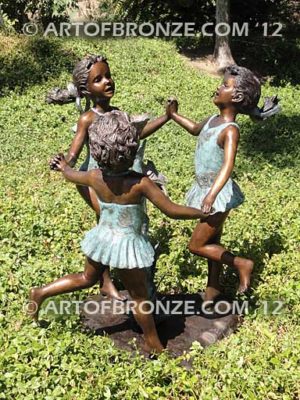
x,y
249,85
62,96
269,108
79,105
66,96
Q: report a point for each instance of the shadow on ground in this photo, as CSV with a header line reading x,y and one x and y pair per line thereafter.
x,y
25,63
276,141
182,320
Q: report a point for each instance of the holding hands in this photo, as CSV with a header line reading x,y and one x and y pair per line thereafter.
x,y
58,162
206,206
171,107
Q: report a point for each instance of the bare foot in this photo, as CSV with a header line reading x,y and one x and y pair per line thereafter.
x,y
152,349
211,293
34,303
245,269
108,289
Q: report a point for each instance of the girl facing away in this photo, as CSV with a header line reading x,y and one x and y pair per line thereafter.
x,y
92,81
118,240
214,191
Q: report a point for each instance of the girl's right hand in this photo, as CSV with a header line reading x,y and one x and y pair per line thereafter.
x,y
58,162
171,106
206,206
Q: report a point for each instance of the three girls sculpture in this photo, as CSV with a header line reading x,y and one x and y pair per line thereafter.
x,y
112,182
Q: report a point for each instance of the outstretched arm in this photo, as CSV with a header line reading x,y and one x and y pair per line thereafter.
x,y
59,163
230,139
161,201
79,140
192,127
153,126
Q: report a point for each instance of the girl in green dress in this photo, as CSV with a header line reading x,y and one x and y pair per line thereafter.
x,y
214,191
118,240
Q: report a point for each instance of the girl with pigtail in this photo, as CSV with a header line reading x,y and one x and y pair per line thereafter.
x,y
118,240
213,190
92,81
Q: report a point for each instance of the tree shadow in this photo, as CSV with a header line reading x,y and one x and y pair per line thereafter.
x,y
37,60
277,141
266,56
270,56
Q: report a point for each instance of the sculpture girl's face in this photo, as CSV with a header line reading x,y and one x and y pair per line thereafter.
x,y
225,93
100,84
229,94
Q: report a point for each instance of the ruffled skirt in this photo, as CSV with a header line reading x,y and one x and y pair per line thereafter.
x,y
229,197
118,249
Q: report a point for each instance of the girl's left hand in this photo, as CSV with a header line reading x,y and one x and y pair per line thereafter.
x,y
58,162
208,201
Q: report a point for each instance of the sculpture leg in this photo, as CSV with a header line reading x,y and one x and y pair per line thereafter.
x,y
213,288
68,283
200,244
107,288
135,282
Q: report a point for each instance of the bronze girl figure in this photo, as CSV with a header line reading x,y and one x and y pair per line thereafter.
x,y
118,240
93,81
214,191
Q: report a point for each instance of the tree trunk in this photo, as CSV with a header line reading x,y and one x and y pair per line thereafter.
x,y
222,53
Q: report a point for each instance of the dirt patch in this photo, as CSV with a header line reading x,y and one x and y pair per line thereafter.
x,y
177,330
203,64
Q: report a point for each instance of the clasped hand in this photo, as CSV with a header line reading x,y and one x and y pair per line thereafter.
x,y
58,162
208,201
171,106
